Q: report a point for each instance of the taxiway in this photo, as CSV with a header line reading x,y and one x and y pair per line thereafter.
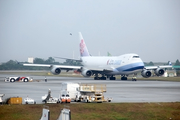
x,y
120,91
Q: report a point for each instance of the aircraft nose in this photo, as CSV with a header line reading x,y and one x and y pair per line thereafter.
x,y
142,63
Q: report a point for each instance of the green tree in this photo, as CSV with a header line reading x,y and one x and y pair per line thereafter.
x,y
39,61
14,65
69,62
150,64
177,63
72,62
11,65
50,60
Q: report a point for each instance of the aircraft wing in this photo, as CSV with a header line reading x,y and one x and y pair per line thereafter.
x,y
66,67
69,59
155,67
37,65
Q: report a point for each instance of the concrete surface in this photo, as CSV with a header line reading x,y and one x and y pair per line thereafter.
x,y
120,91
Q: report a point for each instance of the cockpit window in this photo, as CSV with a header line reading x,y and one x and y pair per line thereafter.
x,y
135,56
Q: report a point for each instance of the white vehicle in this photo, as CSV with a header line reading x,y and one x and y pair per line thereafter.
x,y
14,79
49,99
107,66
72,89
11,79
1,98
29,101
65,98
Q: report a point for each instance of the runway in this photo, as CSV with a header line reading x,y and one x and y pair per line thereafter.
x,y
120,91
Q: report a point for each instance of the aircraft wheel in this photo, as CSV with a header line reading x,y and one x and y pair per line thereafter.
x,y
123,78
96,78
103,78
25,80
112,78
12,80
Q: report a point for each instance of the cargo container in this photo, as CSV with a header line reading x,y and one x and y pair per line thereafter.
x,y
15,100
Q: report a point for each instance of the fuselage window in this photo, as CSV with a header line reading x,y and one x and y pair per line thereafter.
x,y
135,56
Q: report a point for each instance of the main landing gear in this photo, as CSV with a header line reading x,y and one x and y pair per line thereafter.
x,y
99,78
123,77
104,78
112,78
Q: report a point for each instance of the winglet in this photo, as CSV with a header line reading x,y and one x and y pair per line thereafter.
x,y
83,49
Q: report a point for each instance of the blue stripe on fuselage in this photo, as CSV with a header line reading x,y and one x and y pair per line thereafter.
x,y
131,67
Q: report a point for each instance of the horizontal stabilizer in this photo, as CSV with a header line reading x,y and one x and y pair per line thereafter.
x,y
69,59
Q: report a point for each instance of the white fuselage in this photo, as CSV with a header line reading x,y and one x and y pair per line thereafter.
x,y
119,65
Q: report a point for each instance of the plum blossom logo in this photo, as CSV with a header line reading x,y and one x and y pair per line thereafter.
x,y
82,46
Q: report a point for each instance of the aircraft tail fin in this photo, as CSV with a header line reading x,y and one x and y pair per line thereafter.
x,y
169,63
108,54
83,49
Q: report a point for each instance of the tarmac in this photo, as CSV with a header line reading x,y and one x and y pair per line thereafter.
x,y
119,91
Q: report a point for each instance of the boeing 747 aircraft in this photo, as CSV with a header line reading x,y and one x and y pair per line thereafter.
x,y
107,66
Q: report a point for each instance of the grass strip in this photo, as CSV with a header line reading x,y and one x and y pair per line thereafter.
x,y
95,111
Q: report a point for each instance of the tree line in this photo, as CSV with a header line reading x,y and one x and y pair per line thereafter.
x,y
177,63
15,65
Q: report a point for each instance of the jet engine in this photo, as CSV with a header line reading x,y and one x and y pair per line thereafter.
x,y
55,70
159,72
86,73
146,73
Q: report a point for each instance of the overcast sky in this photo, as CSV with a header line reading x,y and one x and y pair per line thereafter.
x,y
40,28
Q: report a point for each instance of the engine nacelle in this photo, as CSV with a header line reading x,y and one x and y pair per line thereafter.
x,y
146,73
159,72
55,70
86,73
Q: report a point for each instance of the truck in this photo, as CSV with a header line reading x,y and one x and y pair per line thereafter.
x,y
93,93
72,89
29,101
84,92
47,98
14,79
1,98
65,98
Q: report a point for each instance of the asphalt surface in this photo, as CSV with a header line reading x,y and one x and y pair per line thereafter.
x,y
120,91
